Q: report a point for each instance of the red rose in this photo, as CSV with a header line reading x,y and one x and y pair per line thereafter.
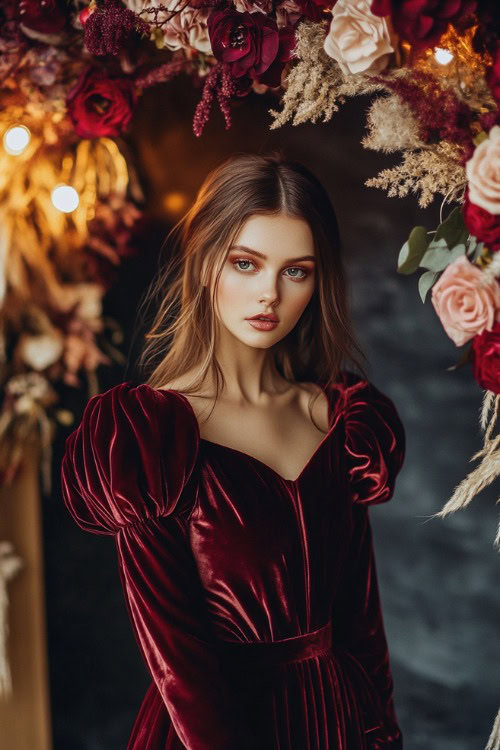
x,y
423,22
482,224
272,76
48,17
248,42
485,359
99,105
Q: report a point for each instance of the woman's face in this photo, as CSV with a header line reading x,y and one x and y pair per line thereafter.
x,y
269,269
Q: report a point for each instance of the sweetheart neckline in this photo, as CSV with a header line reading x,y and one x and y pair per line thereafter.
x,y
248,456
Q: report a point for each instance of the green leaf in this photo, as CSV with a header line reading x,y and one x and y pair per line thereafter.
x,y
413,250
438,245
425,282
452,229
438,257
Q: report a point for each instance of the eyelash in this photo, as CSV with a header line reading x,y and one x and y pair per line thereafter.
x,y
295,278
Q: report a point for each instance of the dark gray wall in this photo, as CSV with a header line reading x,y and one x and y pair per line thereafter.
x,y
438,578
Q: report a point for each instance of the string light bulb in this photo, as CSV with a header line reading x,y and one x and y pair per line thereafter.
x,y
442,56
16,139
65,198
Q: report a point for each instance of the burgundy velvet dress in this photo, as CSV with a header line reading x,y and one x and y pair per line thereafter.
x,y
253,598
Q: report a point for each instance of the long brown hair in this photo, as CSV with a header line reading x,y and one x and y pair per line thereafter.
x,y
183,334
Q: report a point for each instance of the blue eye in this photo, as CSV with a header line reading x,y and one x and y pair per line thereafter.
x,y
293,268
242,261
298,269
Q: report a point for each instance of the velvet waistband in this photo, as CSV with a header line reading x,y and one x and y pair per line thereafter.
x,y
258,655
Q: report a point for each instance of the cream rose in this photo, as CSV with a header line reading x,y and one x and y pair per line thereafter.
x,y
465,303
185,28
357,39
188,28
483,173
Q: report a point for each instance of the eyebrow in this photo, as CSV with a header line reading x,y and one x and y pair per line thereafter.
x,y
264,257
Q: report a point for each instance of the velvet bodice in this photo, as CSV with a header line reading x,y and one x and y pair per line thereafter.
x,y
215,548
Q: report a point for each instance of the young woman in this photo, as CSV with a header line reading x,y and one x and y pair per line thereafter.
x,y
237,481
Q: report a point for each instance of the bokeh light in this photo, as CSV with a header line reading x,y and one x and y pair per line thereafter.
x,y
65,198
175,203
16,139
442,56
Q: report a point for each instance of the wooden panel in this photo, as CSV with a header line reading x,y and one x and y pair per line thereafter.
x,y
25,715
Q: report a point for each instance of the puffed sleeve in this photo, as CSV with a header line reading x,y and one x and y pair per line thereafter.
x,y
127,471
375,449
375,441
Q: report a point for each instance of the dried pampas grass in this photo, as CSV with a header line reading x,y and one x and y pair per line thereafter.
x,y
315,85
429,171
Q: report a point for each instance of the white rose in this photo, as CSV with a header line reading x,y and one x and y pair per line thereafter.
x,y
357,39
483,173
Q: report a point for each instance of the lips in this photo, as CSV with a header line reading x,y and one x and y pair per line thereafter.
x,y
270,317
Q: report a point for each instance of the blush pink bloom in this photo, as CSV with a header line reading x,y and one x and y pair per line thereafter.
x,y
188,28
483,173
358,40
465,302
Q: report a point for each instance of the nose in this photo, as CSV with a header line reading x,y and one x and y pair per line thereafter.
x,y
270,292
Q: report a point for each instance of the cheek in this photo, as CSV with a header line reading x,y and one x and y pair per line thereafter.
x,y
299,295
231,290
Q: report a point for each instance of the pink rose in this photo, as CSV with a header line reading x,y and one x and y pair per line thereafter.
x,y
357,39
465,301
187,28
483,173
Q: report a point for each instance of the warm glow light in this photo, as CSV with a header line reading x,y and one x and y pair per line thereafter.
x,y
15,139
65,198
443,57
174,203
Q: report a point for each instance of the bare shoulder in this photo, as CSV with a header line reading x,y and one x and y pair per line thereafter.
x,y
184,382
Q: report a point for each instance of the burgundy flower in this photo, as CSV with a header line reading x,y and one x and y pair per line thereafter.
x,y
423,22
485,358
482,224
47,17
272,76
248,42
111,27
101,105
